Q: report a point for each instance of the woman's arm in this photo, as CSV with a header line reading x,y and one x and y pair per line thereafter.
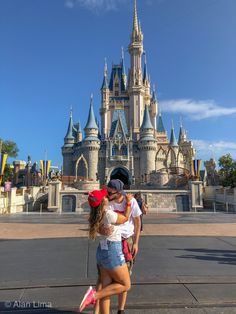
x,y
123,217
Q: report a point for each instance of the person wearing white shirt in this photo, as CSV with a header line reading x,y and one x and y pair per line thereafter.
x,y
115,278
130,230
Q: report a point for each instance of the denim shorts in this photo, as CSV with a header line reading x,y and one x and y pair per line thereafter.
x,y
111,258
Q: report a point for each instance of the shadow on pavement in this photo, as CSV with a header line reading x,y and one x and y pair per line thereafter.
x,y
220,256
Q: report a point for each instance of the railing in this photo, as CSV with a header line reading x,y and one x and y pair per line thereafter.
x,y
219,199
72,179
120,157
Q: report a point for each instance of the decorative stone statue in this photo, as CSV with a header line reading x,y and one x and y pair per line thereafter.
x,y
212,175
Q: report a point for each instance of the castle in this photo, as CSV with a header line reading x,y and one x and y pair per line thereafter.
x,y
132,143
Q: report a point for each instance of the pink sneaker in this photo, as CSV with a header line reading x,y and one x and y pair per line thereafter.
x,y
89,298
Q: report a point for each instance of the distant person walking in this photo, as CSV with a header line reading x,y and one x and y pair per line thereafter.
x,y
142,205
114,273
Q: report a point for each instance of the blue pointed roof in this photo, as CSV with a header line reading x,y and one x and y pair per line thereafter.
x,y
91,123
173,141
69,134
154,97
117,70
147,124
181,133
118,115
105,81
160,125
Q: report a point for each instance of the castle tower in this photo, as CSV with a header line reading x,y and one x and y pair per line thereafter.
x,y
182,134
123,67
147,146
173,148
161,133
135,83
91,143
154,108
78,132
67,149
146,81
186,147
105,93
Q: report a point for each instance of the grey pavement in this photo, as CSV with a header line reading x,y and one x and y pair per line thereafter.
x,y
172,274
153,218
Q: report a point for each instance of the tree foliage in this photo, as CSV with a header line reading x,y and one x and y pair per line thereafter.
x,y
10,148
8,174
227,170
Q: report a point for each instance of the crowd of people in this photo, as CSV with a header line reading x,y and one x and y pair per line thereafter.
x,y
116,217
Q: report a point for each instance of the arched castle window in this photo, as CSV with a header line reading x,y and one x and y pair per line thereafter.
x,y
114,150
81,168
124,150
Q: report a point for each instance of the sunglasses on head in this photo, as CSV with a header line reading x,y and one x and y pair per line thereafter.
x,y
112,193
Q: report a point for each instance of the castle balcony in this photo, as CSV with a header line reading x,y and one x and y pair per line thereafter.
x,y
119,158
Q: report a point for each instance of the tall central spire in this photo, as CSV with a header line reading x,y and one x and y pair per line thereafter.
x,y
135,20
136,35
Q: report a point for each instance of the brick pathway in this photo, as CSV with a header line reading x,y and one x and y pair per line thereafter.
x,y
40,231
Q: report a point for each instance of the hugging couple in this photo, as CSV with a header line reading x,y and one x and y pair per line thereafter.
x,y
115,215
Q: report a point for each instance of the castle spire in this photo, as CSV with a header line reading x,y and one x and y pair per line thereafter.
x,y
145,74
173,141
154,97
160,125
182,133
69,134
123,67
105,82
69,139
135,21
91,122
136,35
147,124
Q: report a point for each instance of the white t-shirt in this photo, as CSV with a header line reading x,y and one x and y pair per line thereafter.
x,y
126,229
109,219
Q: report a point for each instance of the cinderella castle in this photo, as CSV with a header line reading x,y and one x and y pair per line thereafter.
x,y
132,142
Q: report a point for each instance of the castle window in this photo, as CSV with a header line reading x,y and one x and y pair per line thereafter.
x,y
116,93
114,150
124,150
117,85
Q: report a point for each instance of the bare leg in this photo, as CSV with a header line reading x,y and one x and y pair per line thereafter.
x,y
105,302
122,300
120,276
98,287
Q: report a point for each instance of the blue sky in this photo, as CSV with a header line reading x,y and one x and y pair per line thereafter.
x,y
52,57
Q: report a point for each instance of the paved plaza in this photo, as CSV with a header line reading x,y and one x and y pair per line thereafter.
x,y
186,264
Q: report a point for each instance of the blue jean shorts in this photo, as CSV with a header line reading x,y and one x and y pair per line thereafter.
x,y
111,258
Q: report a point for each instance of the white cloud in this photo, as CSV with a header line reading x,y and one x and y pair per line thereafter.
x,y
196,110
94,5
207,149
70,4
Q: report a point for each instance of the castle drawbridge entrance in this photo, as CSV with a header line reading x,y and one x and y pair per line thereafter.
x,y
123,175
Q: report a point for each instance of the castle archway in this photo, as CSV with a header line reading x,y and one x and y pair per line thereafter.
x,y
121,174
81,167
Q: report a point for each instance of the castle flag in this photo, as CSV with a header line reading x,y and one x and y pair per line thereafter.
x,y
3,160
196,164
45,167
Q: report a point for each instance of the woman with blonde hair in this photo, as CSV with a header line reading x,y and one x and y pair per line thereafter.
x,y
115,277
